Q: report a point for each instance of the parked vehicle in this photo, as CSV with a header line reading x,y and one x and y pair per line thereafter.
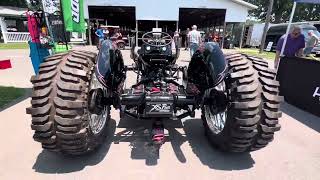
x,y
276,31
73,94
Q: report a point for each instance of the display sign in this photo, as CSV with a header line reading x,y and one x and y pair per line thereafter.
x,y
300,83
57,28
269,46
50,6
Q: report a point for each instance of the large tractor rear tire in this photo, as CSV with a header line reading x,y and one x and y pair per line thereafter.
x,y
60,116
250,120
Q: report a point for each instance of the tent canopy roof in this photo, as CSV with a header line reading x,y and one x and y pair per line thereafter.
x,y
12,11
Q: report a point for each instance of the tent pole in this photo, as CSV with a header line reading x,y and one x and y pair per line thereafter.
x,y
288,29
287,34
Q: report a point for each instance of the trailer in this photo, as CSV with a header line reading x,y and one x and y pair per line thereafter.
x,y
253,35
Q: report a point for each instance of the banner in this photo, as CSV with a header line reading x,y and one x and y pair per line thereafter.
x,y
50,6
308,1
57,29
73,15
300,83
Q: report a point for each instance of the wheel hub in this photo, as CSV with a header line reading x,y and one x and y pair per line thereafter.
x,y
216,108
98,112
95,105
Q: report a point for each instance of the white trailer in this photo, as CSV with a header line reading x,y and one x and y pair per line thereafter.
x,y
253,35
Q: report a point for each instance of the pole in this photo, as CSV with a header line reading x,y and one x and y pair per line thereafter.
x,y
177,26
137,33
89,32
3,26
224,34
288,29
266,26
242,34
64,27
287,33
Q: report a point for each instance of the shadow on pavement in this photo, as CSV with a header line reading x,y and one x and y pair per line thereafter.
x,y
137,133
304,117
55,163
209,155
142,149
139,139
26,95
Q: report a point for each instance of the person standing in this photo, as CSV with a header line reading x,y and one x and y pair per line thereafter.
x,y
311,42
294,46
176,37
194,40
116,35
99,33
186,42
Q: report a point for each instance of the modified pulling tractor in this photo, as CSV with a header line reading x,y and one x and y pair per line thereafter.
x,y
73,94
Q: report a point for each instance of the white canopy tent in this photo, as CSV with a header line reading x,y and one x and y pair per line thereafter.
x,y
290,23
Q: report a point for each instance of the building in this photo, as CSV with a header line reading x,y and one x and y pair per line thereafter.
x,y
13,24
170,15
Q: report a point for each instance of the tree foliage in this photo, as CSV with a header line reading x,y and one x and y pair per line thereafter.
x,y
14,3
282,9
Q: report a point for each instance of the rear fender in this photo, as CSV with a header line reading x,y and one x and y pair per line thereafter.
x,y
216,63
110,66
207,68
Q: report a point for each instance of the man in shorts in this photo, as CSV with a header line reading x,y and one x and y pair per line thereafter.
x,y
194,40
311,42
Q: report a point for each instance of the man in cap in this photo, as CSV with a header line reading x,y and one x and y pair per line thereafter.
x,y
311,42
294,47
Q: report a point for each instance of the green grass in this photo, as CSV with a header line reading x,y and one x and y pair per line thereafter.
x,y
255,52
9,94
14,46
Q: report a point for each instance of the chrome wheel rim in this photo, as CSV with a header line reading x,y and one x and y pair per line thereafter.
x,y
97,122
216,121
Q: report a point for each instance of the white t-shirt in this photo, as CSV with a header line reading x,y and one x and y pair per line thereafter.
x,y
194,36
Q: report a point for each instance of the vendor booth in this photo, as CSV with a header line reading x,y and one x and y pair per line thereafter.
x,y
299,77
300,83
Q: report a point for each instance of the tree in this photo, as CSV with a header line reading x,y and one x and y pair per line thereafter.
x,y
14,3
282,9
266,26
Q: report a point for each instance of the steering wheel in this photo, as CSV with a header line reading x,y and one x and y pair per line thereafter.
x,y
157,39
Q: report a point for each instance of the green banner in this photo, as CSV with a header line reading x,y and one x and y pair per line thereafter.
x,y
73,15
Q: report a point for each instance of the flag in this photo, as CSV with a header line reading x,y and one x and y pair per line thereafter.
x,y
73,15
308,1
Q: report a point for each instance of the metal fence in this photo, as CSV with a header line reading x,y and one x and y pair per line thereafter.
x,y
10,37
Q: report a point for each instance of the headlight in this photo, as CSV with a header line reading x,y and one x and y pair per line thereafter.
x,y
164,48
148,48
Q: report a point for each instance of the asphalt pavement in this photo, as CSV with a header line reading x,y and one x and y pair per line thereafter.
x,y
294,154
